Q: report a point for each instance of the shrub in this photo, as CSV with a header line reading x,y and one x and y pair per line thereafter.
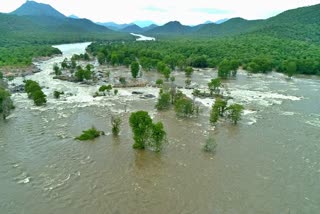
x,y
210,145
89,134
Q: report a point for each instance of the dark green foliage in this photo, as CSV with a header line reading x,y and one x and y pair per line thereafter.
x,y
57,94
134,69
141,124
188,71
6,104
107,88
210,145
56,69
234,112
218,110
83,74
89,134
158,136
291,68
116,122
39,98
122,80
164,101
146,133
34,92
187,82
115,91
256,53
214,85
159,82
1,75
184,107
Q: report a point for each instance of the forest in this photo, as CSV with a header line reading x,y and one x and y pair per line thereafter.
x,y
252,52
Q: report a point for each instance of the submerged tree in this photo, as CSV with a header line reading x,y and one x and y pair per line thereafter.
x,y
214,85
6,104
134,69
145,132
210,145
89,134
140,123
234,112
164,101
116,122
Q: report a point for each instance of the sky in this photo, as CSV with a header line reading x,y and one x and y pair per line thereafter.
x,y
189,12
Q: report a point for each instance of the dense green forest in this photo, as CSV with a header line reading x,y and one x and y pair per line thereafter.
x,y
254,52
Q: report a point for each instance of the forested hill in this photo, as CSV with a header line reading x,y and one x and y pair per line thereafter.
x,y
31,8
35,21
299,24
30,31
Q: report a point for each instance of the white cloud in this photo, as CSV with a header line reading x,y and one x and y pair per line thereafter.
x,y
161,11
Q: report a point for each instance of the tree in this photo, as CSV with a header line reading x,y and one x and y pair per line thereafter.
x,y
141,124
166,72
291,68
115,122
224,70
187,82
1,75
6,104
234,112
158,136
104,88
56,69
160,67
217,110
184,107
145,132
159,82
164,101
39,98
188,71
134,69
101,58
214,84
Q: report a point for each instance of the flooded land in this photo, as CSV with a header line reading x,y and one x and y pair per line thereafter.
x,y
268,163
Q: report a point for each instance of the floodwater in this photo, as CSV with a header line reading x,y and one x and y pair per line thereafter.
x,y
269,163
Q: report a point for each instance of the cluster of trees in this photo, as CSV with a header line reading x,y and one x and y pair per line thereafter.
x,y
146,134
256,53
220,109
34,92
6,104
23,55
183,106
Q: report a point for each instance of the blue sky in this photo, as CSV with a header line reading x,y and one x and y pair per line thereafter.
x,y
162,11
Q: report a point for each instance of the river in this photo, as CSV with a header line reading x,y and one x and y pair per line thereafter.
x,y
269,163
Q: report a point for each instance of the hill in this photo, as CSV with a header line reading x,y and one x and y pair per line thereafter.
x,y
31,8
173,27
132,29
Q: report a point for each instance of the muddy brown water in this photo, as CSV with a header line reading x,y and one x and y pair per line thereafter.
x,y
269,163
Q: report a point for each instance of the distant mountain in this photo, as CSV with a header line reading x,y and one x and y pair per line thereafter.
x,y
51,27
132,29
208,22
73,17
31,8
173,27
143,23
230,27
150,27
220,21
113,25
